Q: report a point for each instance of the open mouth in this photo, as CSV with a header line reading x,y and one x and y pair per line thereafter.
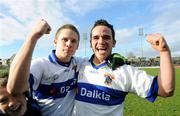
x,y
101,49
15,109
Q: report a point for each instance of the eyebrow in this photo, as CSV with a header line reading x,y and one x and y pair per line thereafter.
x,y
101,36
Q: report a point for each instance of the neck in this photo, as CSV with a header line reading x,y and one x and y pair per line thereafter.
x,y
63,59
97,61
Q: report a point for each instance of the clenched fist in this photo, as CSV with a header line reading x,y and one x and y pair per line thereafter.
x,y
158,42
41,28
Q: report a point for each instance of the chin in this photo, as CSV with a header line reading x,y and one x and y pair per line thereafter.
x,y
101,58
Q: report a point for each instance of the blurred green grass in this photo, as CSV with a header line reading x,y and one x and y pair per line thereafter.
x,y
3,72
136,106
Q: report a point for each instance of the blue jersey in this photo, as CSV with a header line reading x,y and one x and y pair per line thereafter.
x,y
102,91
53,83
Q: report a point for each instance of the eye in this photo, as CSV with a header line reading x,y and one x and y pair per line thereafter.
x,y
4,100
107,37
74,41
95,37
64,39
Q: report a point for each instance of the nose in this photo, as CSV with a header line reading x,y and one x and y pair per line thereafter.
x,y
68,43
100,40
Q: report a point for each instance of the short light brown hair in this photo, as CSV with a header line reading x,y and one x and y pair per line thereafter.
x,y
67,26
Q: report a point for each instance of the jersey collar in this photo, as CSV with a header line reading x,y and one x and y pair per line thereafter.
x,y
97,66
53,58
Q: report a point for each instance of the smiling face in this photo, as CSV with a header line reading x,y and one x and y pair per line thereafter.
x,y
12,105
66,44
102,43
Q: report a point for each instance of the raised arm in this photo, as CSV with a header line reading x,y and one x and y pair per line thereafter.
x,y
166,78
20,66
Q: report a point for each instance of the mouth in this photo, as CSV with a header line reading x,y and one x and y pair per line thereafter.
x,y
15,109
67,50
101,50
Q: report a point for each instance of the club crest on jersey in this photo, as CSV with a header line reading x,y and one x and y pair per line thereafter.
x,y
108,78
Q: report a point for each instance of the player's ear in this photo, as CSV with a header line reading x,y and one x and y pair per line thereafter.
x,y
55,42
77,45
114,43
90,43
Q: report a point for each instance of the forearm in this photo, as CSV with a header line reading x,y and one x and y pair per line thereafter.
x,y
19,69
166,80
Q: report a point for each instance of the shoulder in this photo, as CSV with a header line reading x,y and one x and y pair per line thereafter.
x,y
79,60
40,60
127,69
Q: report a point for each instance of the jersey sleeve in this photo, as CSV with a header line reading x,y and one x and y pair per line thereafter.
x,y
139,82
36,73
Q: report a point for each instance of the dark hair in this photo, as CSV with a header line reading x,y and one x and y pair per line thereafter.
x,y
4,78
67,26
103,22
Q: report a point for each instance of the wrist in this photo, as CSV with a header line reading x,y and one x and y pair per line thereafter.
x,y
165,49
34,37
